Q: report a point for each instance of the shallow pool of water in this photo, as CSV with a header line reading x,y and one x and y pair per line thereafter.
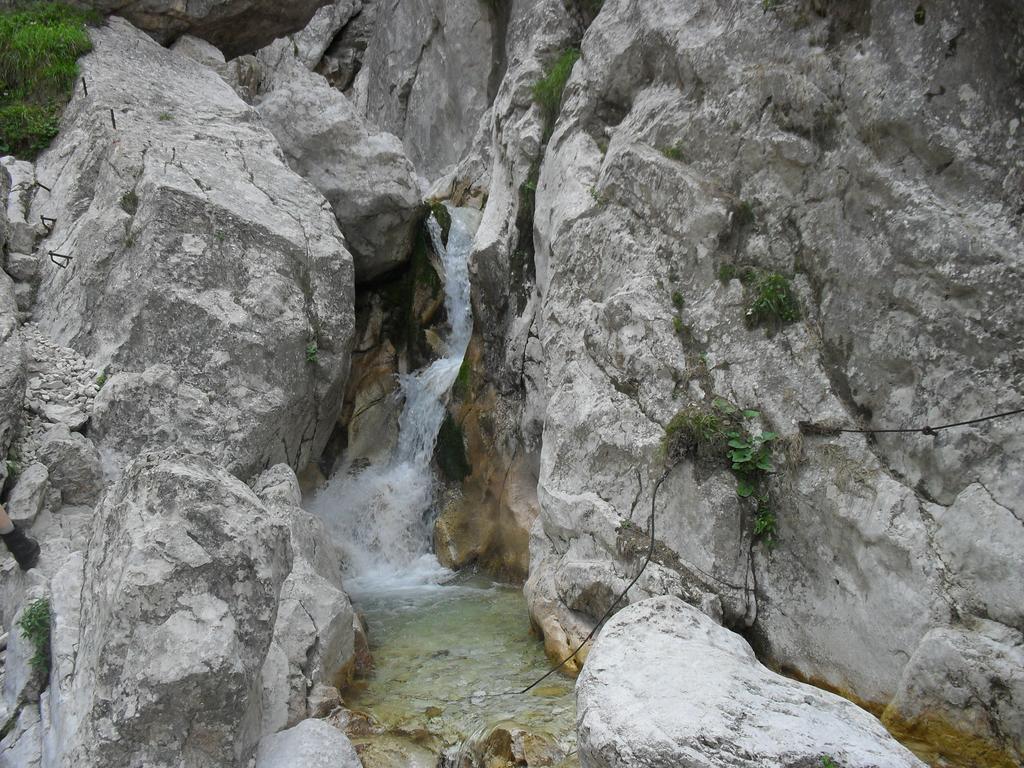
x,y
440,653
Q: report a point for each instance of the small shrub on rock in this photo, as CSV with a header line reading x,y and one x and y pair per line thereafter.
x,y
773,303
35,627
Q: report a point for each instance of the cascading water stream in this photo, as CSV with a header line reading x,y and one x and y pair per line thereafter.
x,y
435,637
379,516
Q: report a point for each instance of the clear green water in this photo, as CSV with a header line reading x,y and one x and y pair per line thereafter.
x,y
448,647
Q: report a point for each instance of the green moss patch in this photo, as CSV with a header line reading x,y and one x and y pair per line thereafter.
x,y
464,380
444,218
40,44
451,451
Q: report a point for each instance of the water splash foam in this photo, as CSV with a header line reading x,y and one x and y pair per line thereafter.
x,y
381,516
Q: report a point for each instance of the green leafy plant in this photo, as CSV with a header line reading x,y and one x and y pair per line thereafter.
x,y
39,47
764,521
312,353
677,300
720,432
165,117
101,379
35,627
751,457
827,761
547,92
919,15
773,302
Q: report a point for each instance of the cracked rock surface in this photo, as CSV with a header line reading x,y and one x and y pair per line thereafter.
x,y
667,687
204,270
867,197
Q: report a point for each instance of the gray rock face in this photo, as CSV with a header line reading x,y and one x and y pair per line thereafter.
x,y
310,744
21,747
311,42
234,26
29,495
343,58
366,176
73,465
20,183
432,69
12,393
313,641
8,306
5,192
194,247
712,134
667,687
178,607
964,686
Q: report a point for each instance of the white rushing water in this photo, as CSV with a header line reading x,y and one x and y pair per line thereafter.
x,y
380,516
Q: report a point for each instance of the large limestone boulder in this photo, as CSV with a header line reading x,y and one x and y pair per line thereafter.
x,y
364,174
667,687
310,744
29,495
234,26
179,600
73,465
688,150
193,247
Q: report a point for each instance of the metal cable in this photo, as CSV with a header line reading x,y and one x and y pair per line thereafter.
x,y
925,430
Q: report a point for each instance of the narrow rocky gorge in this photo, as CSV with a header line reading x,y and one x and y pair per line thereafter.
x,y
323,323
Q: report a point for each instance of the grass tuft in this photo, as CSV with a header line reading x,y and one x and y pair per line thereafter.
x,y
39,48
547,92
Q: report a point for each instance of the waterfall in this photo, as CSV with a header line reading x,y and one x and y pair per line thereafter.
x,y
380,516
